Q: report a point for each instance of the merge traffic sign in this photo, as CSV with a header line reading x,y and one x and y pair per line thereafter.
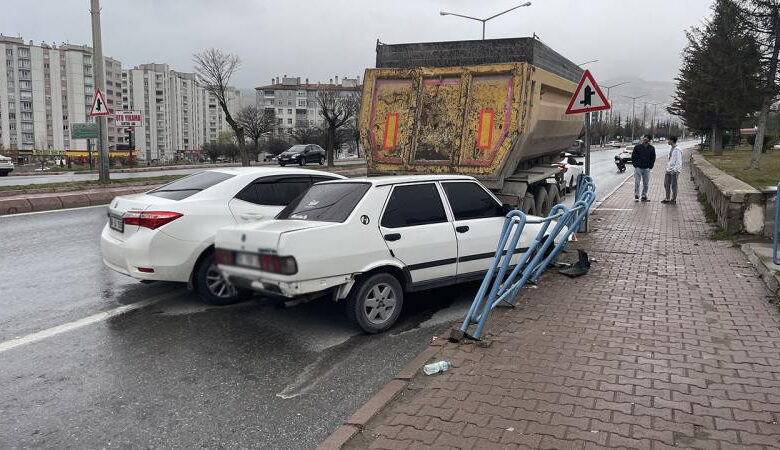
x,y
587,97
99,106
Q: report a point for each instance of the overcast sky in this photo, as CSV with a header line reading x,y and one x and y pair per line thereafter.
x,y
319,39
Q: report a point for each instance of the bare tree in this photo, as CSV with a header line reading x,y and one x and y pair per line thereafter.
x,y
337,110
213,69
256,122
305,135
762,19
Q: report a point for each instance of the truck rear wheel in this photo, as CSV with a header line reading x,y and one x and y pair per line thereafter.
x,y
528,205
553,194
542,201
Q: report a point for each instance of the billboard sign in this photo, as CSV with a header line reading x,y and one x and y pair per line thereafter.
x,y
83,131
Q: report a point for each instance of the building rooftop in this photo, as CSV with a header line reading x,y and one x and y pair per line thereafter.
x,y
310,87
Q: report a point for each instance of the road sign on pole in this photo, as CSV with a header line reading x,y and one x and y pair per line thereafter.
x,y
99,106
84,131
587,97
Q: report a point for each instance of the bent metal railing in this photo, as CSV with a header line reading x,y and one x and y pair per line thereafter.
x,y
497,287
775,258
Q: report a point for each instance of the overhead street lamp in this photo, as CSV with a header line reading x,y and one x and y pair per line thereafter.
x,y
445,13
588,62
610,103
633,103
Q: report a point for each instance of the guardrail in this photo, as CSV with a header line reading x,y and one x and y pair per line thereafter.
x,y
497,287
775,258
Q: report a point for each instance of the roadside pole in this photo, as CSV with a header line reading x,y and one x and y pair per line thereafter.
x,y
584,227
100,84
89,154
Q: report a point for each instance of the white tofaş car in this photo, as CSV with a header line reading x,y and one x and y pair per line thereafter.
x,y
167,234
369,241
572,170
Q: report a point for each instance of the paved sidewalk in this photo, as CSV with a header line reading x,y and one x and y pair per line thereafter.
x,y
669,341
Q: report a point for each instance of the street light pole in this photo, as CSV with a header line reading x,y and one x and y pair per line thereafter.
x,y
633,104
100,83
609,119
445,13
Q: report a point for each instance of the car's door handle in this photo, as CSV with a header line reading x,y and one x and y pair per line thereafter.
x,y
462,228
393,236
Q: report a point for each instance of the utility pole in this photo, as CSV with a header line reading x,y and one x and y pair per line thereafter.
x,y
100,83
633,117
652,122
608,88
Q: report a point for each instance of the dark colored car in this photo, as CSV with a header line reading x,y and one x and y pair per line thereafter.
x,y
577,148
302,154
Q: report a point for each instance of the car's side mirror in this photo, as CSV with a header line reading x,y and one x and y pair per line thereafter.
x,y
506,208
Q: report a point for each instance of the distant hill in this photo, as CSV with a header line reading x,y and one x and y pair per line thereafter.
x,y
655,92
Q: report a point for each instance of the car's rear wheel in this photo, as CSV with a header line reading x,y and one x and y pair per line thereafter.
x,y
213,288
282,164
322,160
375,303
302,161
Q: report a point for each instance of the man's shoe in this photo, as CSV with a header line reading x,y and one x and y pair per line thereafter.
x,y
636,198
644,199
666,200
673,202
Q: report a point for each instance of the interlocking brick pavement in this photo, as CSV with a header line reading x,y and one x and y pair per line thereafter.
x,y
669,342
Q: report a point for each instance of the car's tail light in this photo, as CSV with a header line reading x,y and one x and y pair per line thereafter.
x,y
224,257
149,219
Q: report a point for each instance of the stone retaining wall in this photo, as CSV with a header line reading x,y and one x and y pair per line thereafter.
x,y
740,208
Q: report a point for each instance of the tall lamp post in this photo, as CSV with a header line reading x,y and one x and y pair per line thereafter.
x,y
652,121
633,104
445,13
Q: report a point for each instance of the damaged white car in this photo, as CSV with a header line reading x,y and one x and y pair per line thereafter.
x,y
370,241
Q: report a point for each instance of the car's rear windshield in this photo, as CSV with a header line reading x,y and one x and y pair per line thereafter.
x,y
328,202
190,185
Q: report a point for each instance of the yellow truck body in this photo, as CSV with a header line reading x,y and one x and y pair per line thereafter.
x,y
492,121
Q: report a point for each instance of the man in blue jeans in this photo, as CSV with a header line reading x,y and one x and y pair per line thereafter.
x,y
643,159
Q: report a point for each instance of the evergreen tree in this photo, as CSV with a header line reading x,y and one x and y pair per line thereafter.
x,y
717,86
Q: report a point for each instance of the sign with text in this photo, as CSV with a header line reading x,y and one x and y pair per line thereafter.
x,y
83,131
127,118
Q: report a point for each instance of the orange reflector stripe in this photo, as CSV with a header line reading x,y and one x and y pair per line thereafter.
x,y
391,131
485,129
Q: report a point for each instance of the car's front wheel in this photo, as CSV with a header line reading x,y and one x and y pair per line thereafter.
x,y
212,286
322,160
375,303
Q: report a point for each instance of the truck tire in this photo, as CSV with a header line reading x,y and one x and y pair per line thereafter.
x,y
553,194
528,205
375,303
542,201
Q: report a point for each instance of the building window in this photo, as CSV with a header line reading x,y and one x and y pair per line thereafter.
x,y
289,102
301,93
289,111
289,121
301,102
280,110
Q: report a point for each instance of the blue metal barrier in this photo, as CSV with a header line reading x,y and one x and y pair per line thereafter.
x,y
534,261
775,258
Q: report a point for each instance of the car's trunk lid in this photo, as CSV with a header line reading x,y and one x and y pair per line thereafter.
x,y
261,237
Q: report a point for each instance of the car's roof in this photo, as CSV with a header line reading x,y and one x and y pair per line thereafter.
x,y
399,179
269,170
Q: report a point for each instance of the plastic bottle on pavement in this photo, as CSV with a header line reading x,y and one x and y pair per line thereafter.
x,y
438,366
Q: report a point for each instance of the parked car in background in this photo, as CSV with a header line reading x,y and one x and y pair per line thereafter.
x,y
168,233
302,154
572,169
577,148
265,157
614,144
6,165
376,239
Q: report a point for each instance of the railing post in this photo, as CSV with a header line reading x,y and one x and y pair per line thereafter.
x,y
775,257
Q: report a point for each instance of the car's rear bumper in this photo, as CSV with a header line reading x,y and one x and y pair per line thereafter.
x,y
170,258
262,282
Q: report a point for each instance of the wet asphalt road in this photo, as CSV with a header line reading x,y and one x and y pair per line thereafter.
x,y
179,373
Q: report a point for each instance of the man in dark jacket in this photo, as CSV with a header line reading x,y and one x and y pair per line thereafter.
x,y
643,159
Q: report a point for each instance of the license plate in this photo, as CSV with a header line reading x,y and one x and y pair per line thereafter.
x,y
115,223
247,260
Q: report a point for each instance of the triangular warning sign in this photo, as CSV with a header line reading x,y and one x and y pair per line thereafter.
x,y
587,97
99,106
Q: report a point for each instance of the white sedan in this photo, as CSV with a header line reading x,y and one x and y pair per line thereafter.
x,y
369,241
167,234
572,169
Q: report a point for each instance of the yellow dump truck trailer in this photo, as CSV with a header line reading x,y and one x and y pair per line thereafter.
x,y
493,109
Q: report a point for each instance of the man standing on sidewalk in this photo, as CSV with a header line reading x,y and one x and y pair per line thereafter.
x,y
643,159
673,169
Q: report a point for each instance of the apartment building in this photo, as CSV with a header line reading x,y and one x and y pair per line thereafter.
x,y
178,114
44,89
295,104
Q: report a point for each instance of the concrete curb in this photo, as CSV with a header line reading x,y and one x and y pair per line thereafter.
x,y
765,268
63,200
358,420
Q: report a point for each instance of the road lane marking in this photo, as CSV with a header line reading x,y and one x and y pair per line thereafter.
x,y
51,211
89,320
